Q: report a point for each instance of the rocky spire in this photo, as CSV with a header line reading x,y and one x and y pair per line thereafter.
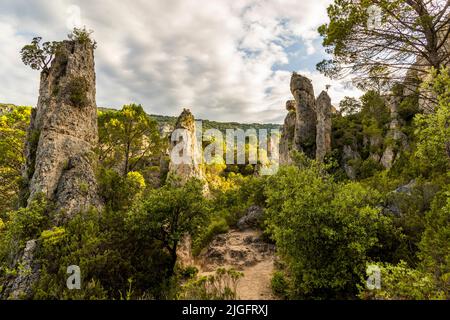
x,y
323,135
185,152
396,137
305,129
60,155
288,133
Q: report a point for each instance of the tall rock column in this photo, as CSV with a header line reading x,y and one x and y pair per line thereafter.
x,y
288,133
63,132
397,139
323,134
185,153
305,129
59,152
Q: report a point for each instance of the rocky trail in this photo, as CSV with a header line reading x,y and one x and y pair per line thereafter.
x,y
247,252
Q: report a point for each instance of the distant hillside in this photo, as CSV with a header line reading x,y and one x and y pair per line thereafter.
x,y
6,107
169,120
208,124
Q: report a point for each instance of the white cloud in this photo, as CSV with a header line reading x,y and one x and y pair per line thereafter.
x,y
216,56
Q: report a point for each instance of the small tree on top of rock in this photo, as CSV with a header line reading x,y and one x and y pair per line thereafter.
x,y
82,35
39,57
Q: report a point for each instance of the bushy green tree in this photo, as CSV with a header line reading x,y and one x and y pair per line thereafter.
x,y
322,229
400,282
366,35
435,243
20,226
168,214
39,57
13,127
128,136
349,105
433,130
119,192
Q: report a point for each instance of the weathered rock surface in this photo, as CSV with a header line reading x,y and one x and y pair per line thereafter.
x,y
60,158
288,133
20,286
395,202
350,153
252,220
63,132
306,118
323,135
185,153
247,252
397,137
307,126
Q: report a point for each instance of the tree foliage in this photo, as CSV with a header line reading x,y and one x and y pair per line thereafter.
x,y
168,214
128,136
433,130
323,230
38,56
13,126
366,45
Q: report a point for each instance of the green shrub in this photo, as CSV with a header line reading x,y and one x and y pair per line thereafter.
x,y
279,285
76,91
399,282
83,36
217,226
219,286
435,243
408,108
323,230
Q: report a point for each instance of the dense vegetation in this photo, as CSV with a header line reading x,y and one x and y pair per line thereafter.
x,y
329,229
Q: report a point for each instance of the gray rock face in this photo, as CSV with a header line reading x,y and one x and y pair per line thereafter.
x,y
288,133
394,202
237,249
323,136
349,154
20,286
306,119
59,152
185,152
63,132
252,219
398,138
307,127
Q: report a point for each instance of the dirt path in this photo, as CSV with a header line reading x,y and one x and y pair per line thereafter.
x,y
244,251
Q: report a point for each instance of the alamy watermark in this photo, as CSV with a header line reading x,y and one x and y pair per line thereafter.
x,y
74,280
73,19
373,282
375,17
255,147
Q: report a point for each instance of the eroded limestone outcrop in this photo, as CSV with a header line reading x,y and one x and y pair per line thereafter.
x,y
306,118
307,126
185,153
60,157
63,132
288,133
396,138
349,154
323,135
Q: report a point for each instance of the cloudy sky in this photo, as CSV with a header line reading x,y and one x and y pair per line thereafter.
x,y
225,60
